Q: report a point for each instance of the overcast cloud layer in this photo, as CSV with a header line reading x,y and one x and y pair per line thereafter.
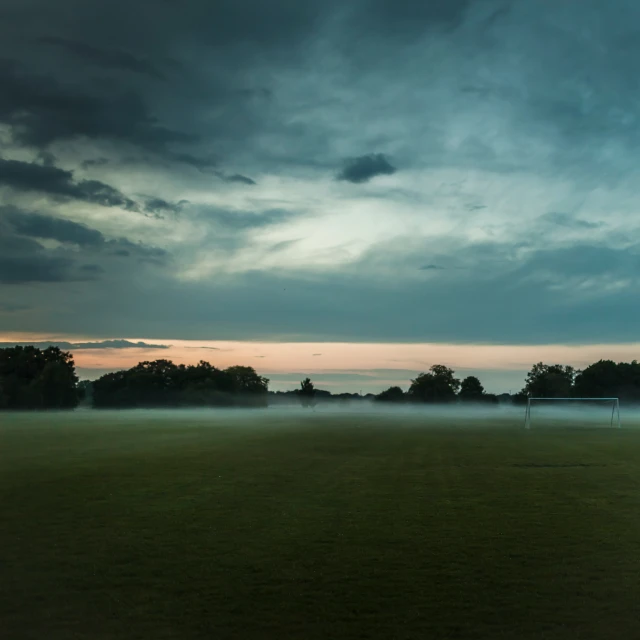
x,y
372,170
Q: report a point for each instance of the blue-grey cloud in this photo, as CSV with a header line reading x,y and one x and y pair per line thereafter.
x,y
569,221
240,179
364,168
28,176
42,110
23,261
94,162
159,206
84,254
109,59
203,163
37,225
282,246
17,270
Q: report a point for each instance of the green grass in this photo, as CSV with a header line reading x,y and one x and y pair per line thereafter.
x,y
120,526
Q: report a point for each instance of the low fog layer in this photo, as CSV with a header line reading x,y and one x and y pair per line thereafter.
x,y
359,413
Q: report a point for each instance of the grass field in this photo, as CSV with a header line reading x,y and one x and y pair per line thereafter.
x,y
123,526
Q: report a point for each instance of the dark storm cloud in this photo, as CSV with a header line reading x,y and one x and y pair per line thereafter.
x,y
46,158
158,206
229,51
16,269
24,260
241,179
124,248
36,225
42,110
210,49
28,176
362,169
520,97
249,37
47,102
109,59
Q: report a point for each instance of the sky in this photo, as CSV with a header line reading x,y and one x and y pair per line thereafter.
x,y
391,184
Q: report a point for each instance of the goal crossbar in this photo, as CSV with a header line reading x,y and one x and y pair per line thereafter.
x,y
615,409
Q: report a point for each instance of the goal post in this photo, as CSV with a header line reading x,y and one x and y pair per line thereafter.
x,y
615,408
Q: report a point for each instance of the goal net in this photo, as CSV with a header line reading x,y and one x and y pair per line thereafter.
x,y
595,412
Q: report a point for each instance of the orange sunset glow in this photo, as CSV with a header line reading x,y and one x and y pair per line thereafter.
x,y
336,357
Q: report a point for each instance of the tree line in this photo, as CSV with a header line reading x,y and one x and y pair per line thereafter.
x,y
603,379
162,383
33,378
439,385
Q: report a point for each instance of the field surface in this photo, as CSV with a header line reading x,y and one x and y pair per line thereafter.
x,y
194,525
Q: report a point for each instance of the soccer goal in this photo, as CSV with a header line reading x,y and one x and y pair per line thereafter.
x,y
614,421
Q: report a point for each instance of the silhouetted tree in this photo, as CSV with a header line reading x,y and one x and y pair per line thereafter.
x,y
519,398
392,394
307,393
606,379
439,385
246,380
32,378
85,392
550,381
471,390
163,383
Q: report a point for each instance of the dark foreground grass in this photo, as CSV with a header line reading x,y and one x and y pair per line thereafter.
x,y
122,527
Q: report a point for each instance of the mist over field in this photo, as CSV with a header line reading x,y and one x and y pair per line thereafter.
x,y
356,412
